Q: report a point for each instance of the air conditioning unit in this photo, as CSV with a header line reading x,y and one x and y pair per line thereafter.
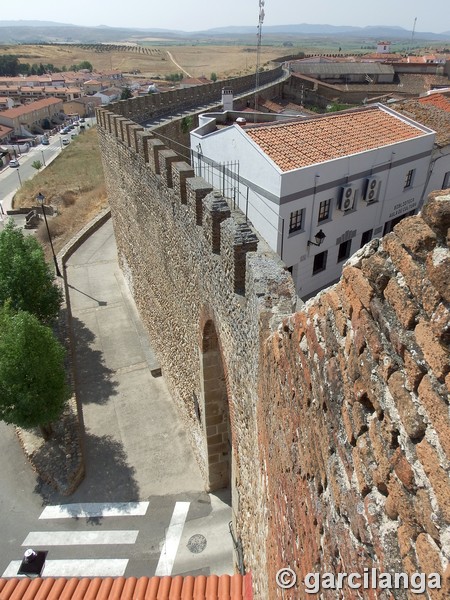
x,y
348,198
372,189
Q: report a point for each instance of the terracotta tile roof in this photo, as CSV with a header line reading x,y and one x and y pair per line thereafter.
x,y
428,114
4,131
28,108
316,140
437,100
225,587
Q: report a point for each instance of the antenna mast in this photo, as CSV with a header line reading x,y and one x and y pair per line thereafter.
x,y
258,49
413,32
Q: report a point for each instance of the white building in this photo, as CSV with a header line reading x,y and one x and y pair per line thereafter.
x,y
350,175
383,47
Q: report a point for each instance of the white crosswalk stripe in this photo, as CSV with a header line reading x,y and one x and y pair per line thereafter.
x,y
79,538
106,567
172,541
99,567
95,509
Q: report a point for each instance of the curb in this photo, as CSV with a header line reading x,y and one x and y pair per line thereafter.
x,y
41,457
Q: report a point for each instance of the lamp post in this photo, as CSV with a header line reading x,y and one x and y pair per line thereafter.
x,y
40,198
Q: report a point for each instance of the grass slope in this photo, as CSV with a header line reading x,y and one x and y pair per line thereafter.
x,y
73,184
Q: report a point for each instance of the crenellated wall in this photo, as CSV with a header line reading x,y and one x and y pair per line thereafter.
x,y
153,106
338,413
195,267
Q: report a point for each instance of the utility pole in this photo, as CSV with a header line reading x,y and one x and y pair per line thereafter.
x,y
258,49
413,32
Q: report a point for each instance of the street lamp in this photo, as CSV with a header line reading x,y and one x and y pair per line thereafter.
x,y
40,198
319,238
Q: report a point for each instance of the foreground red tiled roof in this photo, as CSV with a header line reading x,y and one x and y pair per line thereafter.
x,y
316,140
225,587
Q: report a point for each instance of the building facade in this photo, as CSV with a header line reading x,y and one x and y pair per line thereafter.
x,y
23,119
320,188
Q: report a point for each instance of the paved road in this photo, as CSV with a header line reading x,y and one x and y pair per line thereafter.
x,y
11,179
137,452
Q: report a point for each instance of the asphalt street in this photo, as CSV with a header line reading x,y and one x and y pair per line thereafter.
x,y
141,509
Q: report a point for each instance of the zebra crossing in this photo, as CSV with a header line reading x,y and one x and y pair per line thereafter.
x,y
82,538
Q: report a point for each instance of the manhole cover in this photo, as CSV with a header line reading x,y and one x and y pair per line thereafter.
x,y
197,543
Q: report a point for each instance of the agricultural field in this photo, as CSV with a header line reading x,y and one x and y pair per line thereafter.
x,y
149,60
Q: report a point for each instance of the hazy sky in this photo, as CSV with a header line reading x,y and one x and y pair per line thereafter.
x,y
190,15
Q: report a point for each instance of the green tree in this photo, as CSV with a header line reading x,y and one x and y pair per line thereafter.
x,y
9,65
186,124
126,93
26,280
33,389
213,76
85,64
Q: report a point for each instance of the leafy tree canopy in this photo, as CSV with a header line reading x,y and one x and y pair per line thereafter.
x,y
33,387
126,93
9,65
26,280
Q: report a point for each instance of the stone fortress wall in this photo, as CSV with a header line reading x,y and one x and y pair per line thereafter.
x,y
153,106
337,415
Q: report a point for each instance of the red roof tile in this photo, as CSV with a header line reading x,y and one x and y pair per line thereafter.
x,y
225,587
437,100
310,141
28,108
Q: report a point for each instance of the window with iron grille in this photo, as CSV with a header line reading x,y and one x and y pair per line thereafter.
x,y
324,210
296,220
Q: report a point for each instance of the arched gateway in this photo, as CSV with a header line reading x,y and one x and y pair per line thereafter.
x,y
216,415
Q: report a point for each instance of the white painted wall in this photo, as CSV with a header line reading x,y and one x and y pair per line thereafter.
x,y
440,166
305,188
232,144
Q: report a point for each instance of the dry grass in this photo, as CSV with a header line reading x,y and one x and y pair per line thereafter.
x,y
73,184
225,61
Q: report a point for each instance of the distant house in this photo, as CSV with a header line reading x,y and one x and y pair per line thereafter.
x,y
433,111
383,47
5,134
6,103
188,82
345,72
109,95
92,86
318,188
23,119
84,106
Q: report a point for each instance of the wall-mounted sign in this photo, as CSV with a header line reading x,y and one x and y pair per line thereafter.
x,y
403,207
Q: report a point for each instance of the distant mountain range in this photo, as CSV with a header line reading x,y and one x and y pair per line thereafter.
x,y
22,32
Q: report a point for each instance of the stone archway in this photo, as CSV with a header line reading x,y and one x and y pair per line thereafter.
x,y
216,415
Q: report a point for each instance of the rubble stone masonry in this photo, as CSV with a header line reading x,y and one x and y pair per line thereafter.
x,y
353,418
338,413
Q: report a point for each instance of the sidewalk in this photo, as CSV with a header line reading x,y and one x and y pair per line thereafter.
x,y
136,445
121,400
